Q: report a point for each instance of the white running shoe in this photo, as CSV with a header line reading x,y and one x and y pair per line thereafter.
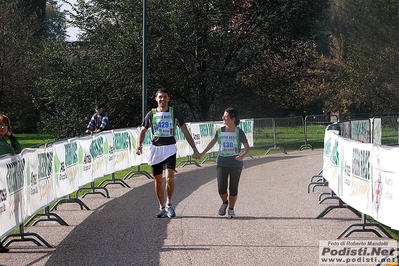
x,y
232,214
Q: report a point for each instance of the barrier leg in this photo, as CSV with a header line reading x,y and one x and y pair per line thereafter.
x,y
188,161
306,146
93,191
320,182
138,172
340,205
47,214
23,237
317,175
276,148
363,228
209,157
332,196
113,180
70,200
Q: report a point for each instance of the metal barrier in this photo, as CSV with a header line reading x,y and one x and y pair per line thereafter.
x,y
361,130
389,130
314,128
263,132
276,132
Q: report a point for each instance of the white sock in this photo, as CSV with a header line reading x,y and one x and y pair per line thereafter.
x,y
168,203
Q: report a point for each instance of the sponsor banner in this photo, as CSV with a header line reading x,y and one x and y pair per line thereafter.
x,y
385,183
345,129
143,158
137,160
39,176
45,174
202,134
247,125
183,148
376,130
122,150
361,130
347,166
108,152
85,160
333,162
363,175
37,184
97,156
12,193
65,168
357,188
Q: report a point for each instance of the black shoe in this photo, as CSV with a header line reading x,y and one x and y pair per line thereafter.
x,y
4,250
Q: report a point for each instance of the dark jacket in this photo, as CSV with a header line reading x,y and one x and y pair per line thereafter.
x,y
6,148
99,122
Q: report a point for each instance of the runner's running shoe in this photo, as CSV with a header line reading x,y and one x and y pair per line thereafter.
x,y
170,211
232,214
161,213
222,210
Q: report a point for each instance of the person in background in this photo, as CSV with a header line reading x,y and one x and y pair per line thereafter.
x,y
5,148
229,161
163,121
99,121
5,132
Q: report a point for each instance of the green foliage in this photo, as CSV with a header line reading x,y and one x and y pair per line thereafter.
x,y
198,49
366,38
105,68
202,51
55,22
20,28
224,52
263,57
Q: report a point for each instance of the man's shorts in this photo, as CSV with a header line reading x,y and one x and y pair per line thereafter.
x,y
168,163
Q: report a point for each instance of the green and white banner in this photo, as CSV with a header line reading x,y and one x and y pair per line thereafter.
x,y
364,176
37,177
13,207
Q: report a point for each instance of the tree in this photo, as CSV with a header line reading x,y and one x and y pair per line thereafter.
x,y
210,54
19,29
55,22
224,51
373,57
365,44
105,67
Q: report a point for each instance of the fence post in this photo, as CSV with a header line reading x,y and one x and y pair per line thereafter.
x,y
305,132
321,121
274,140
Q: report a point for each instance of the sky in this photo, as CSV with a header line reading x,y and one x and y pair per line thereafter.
x,y
71,31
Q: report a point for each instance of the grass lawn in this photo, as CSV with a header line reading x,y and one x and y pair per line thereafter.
x,y
31,140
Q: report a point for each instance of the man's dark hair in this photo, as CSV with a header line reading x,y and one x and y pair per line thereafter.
x,y
162,90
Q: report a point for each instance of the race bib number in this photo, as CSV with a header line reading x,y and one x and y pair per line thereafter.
x,y
163,126
228,144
